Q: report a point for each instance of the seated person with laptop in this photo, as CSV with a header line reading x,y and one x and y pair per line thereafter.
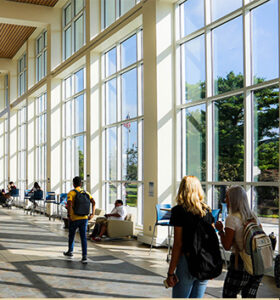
x,y
100,228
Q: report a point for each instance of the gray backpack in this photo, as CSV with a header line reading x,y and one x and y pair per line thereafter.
x,y
257,253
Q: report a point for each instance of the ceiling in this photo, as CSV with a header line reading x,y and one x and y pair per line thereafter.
x,y
51,3
12,37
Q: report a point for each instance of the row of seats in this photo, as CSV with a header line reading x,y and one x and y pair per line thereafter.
x,y
54,206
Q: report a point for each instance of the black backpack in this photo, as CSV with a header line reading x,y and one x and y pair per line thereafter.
x,y
81,203
204,258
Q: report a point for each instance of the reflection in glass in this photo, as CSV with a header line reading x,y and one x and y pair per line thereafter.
x,y
111,101
68,158
221,8
130,191
229,139
266,206
79,5
79,32
79,156
126,5
79,114
45,63
266,134
128,51
129,94
219,196
111,153
39,68
68,118
192,16
111,62
45,39
67,14
110,12
111,190
67,43
68,87
194,57
196,141
79,81
228,56
129,151
40,44
265,52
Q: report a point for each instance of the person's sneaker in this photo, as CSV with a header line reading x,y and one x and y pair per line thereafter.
x,y
96,239
68,254
84,260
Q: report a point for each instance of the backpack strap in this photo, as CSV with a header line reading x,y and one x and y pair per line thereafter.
x,y
237,250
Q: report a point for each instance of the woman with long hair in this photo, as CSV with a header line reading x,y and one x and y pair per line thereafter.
x,y
190,207
237,279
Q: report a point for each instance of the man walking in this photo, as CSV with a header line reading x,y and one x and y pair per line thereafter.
x,y
78,207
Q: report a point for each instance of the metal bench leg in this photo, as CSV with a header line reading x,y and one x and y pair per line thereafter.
x,y
152,239
169,244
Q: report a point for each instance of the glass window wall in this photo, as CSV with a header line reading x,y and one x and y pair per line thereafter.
x,y
41,141
73,27
113,9
228,124
124,125
74,163
41,56
22,75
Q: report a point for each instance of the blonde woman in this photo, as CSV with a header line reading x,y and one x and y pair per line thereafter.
x,y
190,207
237,279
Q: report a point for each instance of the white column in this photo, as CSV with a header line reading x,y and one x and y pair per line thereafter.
x,y
88,117
159,112
150,115
95,130
13,145
55,135
31,155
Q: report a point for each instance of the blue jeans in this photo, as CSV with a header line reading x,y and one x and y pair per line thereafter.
x,y
73,226
188,286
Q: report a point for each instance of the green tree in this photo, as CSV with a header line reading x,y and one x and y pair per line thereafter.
x,y
132,164
81,164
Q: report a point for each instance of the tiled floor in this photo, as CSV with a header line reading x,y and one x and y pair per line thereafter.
x,y
32,264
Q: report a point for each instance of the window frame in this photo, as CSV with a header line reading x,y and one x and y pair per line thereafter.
x,y
41,144
22,72
118,13
71,25
43,55
119,182
248,89
72,136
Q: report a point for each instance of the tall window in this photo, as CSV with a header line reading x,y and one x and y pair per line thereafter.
x,y
41,56
22,75
22,150
74,163
2,153
229,123
123,128
113,9
6,152
73,27
41,140
6,87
